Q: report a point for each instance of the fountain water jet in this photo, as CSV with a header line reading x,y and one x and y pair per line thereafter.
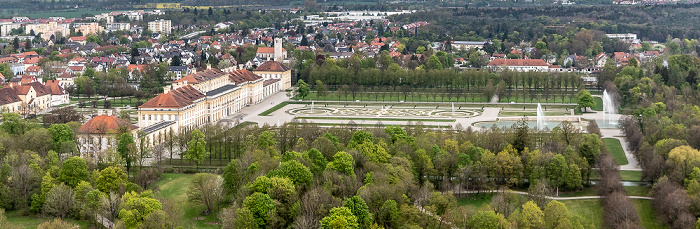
x,y
453,108
609,109
312,106
541,123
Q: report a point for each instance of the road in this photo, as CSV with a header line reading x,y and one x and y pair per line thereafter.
x,y
188,36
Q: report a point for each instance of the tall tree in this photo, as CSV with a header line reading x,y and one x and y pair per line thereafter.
x,y
196,150
125,148
73,171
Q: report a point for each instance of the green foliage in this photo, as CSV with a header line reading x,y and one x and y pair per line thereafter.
x,y
137,207
73,171
556,214
359,208
47,183
196,148
303,89
585,99
295,171
266,140
125,148
14,124
318,161
487,219
61,133
590,148
343,163
531,216
388,215
360,137
374,152
397,133
278,188
110,179
232,176
340,218
262,207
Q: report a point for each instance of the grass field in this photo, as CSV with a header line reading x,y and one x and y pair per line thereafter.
x,y
598,104
631,175
637,190
15,219
615,148
174,187
479,201
646,214
273,109
589,209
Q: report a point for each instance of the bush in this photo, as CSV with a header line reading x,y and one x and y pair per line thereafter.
x,y
147,177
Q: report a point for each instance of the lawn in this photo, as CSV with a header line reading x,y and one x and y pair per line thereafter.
x,y
631,175
174,187
532,113
589,209
637,190
615,148
15,219
587,191
479,201
598,104
273,109
646,215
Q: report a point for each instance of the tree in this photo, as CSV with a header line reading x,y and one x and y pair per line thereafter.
x,y
487,219
232,176
342,163
585,100
205,189
531,216
110,179
136,207
125,147
73,171
59,201
321,89
60,134
340,218
388,215
318,161
359,208
262,207
558,171
555,214
683,159
302,89
295,171
176,61
281,189
196,150
241,218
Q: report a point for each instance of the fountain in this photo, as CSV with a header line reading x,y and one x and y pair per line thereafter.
x,y
609,109
541,123
312,106
453,108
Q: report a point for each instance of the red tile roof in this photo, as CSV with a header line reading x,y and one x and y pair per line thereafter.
x,y
177,98
242,76
268,50
518,62
105,124
272,66
201,76
8,95
39,88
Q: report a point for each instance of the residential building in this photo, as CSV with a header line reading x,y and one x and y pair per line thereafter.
x,y
118,26
88,28
467,45
520,65
48,29
625,37
7,27
9,100
160,26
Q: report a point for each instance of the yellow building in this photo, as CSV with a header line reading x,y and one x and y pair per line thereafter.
x,y
275,70
88,28
48,29
199,98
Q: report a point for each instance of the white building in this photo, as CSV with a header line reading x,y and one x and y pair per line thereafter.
x,y
625,37
160,26
520,65
118,26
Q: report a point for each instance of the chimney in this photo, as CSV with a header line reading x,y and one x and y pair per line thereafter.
x,y
278,49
